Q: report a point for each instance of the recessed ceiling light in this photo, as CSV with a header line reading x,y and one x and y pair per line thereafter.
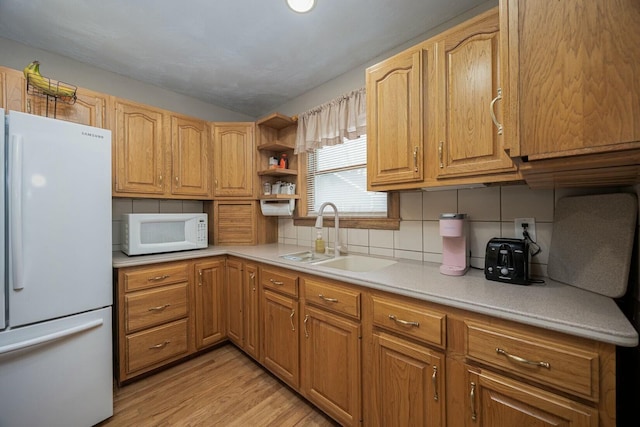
x,y
301,6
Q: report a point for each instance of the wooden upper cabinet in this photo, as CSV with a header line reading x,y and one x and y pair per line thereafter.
x,y
469,88
190,150
139,154
89,109
233,159
574,76
12,89
395,145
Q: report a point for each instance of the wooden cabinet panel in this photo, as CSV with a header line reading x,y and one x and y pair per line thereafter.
x,y
234,290
156,306
150,276
335,298
412,320
233,159
89,109
209,278
240,222
190,155
281,342
468,81
334,387
279,280
12,89
498,401
408,383
150,347
564,367
395,93
140,143
574,70
251,311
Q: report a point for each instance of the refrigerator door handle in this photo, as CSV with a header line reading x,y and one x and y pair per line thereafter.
x,y
15,214
50,337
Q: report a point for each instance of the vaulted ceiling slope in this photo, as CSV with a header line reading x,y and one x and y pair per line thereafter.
x,y
248,56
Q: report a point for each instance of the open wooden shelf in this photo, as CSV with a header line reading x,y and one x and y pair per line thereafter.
x,y
276,121
279,197
274,146
278,172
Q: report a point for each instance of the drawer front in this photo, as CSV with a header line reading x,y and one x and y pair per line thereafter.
x,y
146,348
150,277
279,280
334,298
410,320
155,306
566,368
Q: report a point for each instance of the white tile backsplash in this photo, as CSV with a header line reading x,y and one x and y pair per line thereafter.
x,y
480,204
408,238
411,205
435,203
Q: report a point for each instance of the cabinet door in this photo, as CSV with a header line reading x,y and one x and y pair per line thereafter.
x,y
408,383
497,401
209,302
89,109
233,155
469,142
139,139
251,317
190,157
395,91
280,336
234,290
334,387
12,90
573,67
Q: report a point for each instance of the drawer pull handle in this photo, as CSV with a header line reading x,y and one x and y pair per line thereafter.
x,y
434,380
306,332
159,308
293,327
415,159
158,346
252,276
404,322
472,397
276,282
155,279
523,360
327,299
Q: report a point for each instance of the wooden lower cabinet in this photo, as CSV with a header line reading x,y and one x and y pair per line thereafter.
x,y
153,317
495,400
251,314
234,290
363,356
408,383
209,302
331,371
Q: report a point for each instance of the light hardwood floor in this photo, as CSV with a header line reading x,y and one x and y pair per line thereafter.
x,y
223,387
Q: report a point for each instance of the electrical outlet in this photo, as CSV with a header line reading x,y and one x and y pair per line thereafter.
x,y
531,227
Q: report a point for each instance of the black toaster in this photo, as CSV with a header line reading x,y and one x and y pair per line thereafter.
x,y
507,260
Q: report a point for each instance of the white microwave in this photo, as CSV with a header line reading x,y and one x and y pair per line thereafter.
x,y
155,233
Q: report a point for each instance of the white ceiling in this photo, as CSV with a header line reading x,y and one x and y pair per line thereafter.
x,y
248,56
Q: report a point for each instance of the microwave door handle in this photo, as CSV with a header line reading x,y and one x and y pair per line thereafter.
x,y
15,213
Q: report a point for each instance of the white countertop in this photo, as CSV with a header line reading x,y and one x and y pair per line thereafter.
x,y
553,305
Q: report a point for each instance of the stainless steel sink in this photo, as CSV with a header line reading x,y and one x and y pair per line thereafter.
x,y
305,256
356,263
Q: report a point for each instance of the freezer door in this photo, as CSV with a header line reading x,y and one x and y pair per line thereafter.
x,y
59,209
57,373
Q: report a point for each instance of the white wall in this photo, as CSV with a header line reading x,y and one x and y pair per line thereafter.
x,y
17,56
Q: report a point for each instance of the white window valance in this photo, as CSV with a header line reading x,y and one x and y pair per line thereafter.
x,y
330,123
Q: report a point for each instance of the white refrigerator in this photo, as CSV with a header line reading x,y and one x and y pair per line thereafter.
x,y
55,305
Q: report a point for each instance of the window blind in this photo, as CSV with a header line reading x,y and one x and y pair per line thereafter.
x,y
338,174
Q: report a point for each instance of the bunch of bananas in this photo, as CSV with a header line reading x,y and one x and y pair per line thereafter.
x,y
47,86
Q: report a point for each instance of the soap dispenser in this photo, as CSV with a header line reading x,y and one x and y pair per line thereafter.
x,y
319,241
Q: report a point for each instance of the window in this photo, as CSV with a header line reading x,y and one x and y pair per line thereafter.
x,y
338,174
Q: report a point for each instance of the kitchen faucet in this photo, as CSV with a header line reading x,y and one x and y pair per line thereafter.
x,y
337,247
